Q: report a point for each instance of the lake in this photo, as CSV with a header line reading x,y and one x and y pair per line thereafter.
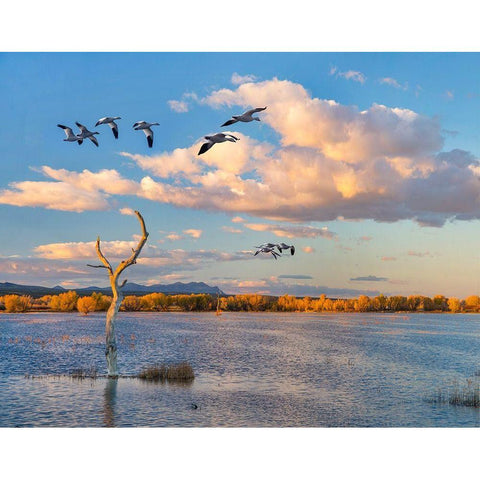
x,y
252,370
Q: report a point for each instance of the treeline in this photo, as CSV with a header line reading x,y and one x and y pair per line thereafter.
x,y
159,302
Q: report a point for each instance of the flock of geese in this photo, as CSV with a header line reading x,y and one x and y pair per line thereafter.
x,y
219,137
270,248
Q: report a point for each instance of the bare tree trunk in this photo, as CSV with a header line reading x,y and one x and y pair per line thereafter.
x,y
110,338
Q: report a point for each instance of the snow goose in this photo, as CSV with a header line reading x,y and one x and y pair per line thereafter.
x,y
284,246
244,117
110,121
217,138
86,133
267,250
70,135
145,126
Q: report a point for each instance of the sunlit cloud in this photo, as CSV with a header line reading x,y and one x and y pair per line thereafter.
x,y
308,249
388,259
332,161
127,211
194,233
53,196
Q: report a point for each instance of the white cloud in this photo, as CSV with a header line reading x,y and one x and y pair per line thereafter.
x,y
239,79
333,161
354,75
393,83
194,233
127,211
178,106
53,196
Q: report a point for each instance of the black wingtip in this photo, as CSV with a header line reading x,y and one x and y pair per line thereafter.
x,y
115,133
61,126
203,148
150,142
97,124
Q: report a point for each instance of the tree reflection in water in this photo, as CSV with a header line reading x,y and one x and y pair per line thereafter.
x,y
109,397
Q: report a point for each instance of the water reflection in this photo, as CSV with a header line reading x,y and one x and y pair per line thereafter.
x,y
109,397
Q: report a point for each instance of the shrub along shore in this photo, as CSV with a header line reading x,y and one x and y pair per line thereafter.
x,y
159,302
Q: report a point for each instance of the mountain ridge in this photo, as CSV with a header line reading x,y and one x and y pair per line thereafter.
x,y
8,288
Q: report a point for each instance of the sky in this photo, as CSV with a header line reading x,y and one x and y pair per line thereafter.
x,y
366,162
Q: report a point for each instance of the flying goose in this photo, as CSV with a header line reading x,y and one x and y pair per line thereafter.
x,y
283,246
110,121
70,135
145,126
86,133
244,117
267,250
217,138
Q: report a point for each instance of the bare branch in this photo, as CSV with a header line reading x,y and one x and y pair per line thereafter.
x,y
96,266
123,283
135,252
102,258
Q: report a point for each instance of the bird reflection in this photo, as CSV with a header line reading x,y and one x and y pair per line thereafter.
x,y
109,397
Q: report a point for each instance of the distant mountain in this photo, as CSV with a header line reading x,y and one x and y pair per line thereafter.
x,y
8,288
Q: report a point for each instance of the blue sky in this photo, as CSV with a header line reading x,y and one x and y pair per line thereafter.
x,y
376,205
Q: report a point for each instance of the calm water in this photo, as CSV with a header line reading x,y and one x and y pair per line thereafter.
x,y
252,370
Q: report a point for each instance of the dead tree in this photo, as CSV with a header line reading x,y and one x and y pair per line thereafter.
x,y
110,341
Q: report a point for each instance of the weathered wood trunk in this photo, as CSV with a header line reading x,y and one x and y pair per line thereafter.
x,y
110,338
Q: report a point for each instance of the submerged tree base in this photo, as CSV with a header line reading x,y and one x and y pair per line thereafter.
x,y
182,372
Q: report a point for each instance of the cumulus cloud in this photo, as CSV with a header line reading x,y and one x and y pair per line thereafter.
x,y
333,161
239,79
369,278
393,83
238,220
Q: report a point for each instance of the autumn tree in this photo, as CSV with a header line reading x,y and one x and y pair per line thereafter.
x,y
64,302
454,304
17,303
86,305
